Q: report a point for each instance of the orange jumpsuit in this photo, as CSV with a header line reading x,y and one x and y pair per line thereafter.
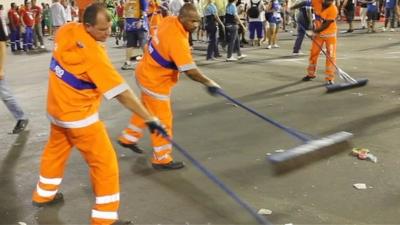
x,y
80,75
166,54
327,37
154,16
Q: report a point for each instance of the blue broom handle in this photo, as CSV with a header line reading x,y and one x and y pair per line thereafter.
x,y
260,219
295,134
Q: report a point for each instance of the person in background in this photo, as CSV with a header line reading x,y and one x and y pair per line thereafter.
x,y
363,13
372,14
5,93
274,18
324,33
390,14
231,26
58,15
15,28
304,22
211,20
38,31
348,8
27,25
255,15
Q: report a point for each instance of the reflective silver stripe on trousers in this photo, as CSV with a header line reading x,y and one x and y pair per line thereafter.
x,y
74,124
135,128
129,137
163,147
104,214
152,94
45,193
54,181
107,199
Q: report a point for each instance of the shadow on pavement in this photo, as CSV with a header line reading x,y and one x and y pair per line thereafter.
x,y
10,204
269,93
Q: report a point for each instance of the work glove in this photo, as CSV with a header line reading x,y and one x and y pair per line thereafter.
x,y
156,127
213,88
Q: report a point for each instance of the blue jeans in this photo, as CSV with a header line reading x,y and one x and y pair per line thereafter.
x,y
10,101
212,49
28,38
232,38
301,26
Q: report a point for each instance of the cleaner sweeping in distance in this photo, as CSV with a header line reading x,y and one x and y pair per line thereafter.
x,y
324,32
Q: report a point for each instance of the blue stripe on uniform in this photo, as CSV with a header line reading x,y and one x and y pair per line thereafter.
x,y
159,59
69,78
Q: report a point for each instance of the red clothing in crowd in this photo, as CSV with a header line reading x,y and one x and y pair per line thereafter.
x,y
37,13
13,16
28,18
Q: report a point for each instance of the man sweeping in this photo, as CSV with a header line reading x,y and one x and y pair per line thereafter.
x,y
166,55
324,32
81,74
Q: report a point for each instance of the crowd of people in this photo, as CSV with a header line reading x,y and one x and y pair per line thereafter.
x,y
28,23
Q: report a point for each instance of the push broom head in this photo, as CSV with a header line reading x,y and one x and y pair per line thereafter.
x,y
310,146
346,85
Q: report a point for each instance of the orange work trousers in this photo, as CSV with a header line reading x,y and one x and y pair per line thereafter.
x,y
318,43
162,149
95,146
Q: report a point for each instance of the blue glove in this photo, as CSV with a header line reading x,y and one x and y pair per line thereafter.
x,y
156,127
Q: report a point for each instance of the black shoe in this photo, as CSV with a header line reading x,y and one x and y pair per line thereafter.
x,y
134,147
58,198
329,82
122,222
169,166
20,126
308,78
349,31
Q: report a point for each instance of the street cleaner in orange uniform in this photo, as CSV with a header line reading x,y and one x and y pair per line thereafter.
x,y
166,55
156,12
324,32
80,75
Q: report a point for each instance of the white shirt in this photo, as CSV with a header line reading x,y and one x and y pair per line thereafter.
x,y
175,6
58,14
68,13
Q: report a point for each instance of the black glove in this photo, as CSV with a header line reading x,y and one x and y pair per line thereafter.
x,y
156,127
213,90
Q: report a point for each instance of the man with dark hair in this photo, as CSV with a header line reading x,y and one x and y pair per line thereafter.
x,y
166,55
5,93
15,23
27,23
80,74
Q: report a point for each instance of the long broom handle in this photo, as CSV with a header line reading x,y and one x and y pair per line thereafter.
x,y
289,130
260,219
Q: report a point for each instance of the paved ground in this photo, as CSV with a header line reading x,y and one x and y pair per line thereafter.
x,y
232,143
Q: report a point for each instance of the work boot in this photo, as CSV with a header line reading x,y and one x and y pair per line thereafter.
x,y
122,222
169,166
20,126
58,198
308,78
134,147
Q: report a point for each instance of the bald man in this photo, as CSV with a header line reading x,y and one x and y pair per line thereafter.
x,y
166,55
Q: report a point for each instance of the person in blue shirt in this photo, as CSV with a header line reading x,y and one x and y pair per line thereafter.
x,y
211,18
304,22
390,10
231,28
